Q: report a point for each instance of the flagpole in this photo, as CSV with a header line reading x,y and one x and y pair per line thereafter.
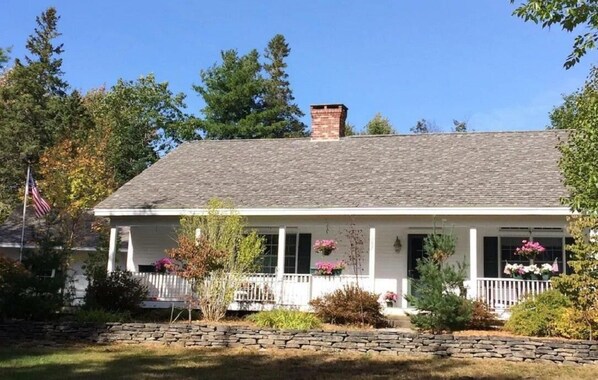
x,y
24,212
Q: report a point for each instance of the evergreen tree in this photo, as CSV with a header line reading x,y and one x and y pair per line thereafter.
x,y
459,126
32,99
233,93
350,130
379,125
282,115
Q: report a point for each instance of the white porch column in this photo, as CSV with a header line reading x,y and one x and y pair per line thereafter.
x,y
372,259
112,250
282,240
130,262
197,235
473,263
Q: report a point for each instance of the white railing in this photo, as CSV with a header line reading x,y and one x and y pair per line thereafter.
x,y
322,285
257,287
291,290
165,287
503,293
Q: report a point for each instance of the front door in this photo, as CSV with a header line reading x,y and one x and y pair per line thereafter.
x,y
415,251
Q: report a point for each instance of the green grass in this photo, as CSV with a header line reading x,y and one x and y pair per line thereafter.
x,y
159,362
285,319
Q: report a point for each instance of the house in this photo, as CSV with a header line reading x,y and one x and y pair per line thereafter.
x,y
491,189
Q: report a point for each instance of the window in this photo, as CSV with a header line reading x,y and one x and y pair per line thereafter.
x,y
270,258
554,250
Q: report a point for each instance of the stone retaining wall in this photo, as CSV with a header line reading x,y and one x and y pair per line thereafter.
x,y
385,342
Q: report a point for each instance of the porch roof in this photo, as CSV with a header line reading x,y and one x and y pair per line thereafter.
x,y
485,170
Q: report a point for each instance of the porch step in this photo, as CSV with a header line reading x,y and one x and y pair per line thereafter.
x,y
400,321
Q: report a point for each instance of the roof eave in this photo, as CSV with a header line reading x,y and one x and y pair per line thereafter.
x,y
341,211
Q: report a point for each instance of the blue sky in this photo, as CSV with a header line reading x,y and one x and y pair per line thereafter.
x,y
440,60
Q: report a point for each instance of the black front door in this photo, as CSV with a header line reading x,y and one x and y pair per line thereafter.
x,y
415,251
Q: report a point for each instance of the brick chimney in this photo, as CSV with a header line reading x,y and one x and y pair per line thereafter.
x,y
328,121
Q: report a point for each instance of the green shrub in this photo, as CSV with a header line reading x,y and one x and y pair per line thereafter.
x,y
101,316
27,289
537,316
116,291
481,317
439,297
572,324
285,319
350,305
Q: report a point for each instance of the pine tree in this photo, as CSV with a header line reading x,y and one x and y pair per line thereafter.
x,y
379,125
233,93
282,115
32,99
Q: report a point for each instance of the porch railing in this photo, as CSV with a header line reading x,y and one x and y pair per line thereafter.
x,y
292,290
503,293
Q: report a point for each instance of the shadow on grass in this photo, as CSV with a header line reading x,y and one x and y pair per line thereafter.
x,y
140,362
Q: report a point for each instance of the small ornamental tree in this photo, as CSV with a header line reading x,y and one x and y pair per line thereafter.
x,y
581,286
218,260
439,294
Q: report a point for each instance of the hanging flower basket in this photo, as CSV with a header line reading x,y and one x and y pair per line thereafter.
x,y
529,249
325,247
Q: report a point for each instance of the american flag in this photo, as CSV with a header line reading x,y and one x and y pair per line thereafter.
x,y
41,206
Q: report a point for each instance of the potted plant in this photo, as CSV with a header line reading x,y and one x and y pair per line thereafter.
x,y
514,270
547,270
324,268
339,267
390,298
529,250
532,272
325,247
164,265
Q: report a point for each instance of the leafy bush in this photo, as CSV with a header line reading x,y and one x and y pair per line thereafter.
x,y
101,316
350,305
538,316
14,283
116,292
481,317
285,319
572,324
27,289
439,297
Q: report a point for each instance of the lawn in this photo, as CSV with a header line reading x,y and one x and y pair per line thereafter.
x,y
159,362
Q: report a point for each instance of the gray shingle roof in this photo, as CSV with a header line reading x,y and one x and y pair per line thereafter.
x,y
489,169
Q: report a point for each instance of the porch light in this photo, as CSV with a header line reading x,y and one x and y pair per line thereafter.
x,y
398,245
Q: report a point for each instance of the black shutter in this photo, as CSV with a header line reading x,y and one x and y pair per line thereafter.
x,y
568,253
304,251
491,256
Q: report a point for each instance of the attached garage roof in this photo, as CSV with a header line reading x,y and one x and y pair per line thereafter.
x,y
444,170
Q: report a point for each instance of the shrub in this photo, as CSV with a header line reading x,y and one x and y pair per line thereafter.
x,y
285,319
439,297
101,316
350,305
481,317
537,316
14,282
572,324
116,292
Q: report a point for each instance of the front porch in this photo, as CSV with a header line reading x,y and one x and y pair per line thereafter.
x,y
392,245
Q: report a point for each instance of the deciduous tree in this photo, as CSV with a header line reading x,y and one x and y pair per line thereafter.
x,y
424,126
579,113
569,14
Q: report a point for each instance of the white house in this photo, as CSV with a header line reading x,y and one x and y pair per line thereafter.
x,y
492,189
